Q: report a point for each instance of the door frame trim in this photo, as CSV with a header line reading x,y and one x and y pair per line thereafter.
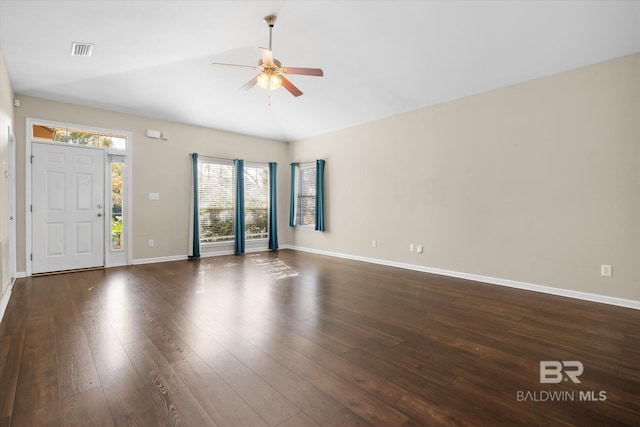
x,y
128,186
12,206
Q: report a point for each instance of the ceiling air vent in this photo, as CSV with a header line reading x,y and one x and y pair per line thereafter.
x,y
81,49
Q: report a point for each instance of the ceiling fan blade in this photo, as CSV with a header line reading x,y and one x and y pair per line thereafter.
x,y
290,86
251,83
303,71
234,65
267,56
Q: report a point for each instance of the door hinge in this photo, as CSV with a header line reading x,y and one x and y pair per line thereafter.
x,y
32,156
30,208
31,257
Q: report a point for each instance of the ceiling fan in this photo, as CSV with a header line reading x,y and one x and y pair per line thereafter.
x,y
272,73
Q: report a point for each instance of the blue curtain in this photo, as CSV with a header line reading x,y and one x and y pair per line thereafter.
x,y
273,214
320,195
292,202
194,221
239,214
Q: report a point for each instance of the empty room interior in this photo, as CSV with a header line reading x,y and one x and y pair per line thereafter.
x,y
319,213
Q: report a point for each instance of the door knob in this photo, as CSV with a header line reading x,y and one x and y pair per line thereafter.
x,y
99,214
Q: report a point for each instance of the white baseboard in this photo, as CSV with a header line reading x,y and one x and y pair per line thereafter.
x,y
183,257
604,299
4,299
21,274
158,259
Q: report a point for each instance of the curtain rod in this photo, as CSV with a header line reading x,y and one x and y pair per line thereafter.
x,y
228,160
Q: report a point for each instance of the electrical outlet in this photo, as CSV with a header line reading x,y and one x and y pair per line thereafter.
x,y
606,270
412,247
154,196
419,249
150,243
374,243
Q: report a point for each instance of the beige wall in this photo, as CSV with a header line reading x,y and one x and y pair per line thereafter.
x,y
158,166
537,182
6,121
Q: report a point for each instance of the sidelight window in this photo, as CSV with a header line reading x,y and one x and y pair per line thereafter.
x,y
117,219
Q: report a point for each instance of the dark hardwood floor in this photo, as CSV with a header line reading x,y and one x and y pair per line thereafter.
x,y
294,339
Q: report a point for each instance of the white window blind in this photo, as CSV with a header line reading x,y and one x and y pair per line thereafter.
x,y
216,194
306,197
256,202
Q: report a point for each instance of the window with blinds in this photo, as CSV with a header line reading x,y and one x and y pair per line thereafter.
x,y
216,194
216,190
306,196
256,202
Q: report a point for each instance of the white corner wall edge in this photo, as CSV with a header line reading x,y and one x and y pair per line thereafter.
x,y
621,302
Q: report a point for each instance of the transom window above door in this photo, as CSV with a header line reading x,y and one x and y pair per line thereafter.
x,y
92,138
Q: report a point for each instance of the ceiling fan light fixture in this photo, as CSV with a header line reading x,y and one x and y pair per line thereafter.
x,y
275,82
263,81
269,81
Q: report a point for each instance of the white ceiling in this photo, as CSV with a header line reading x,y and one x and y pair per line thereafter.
x,y
380,58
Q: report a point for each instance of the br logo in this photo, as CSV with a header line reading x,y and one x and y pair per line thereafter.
x,y
554,371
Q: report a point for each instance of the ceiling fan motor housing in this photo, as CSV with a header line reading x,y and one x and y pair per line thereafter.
x,y
270,20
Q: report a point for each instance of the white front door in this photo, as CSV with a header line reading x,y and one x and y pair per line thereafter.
x,y
67,203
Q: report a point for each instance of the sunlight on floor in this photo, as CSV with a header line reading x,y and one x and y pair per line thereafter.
x,y
275,268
